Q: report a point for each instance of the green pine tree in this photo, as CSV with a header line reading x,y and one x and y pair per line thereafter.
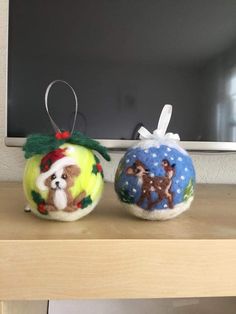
x,y
188,192
125,196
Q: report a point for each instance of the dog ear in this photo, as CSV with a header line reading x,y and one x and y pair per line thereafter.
x,y
73,170
47,182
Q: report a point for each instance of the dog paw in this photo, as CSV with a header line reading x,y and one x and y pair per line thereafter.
x,y
70,209
50,208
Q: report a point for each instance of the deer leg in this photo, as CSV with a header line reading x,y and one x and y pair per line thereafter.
x,y
141,199
170,200
149,201
160,198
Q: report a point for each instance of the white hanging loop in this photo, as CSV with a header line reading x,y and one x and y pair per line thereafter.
x,y
160,132
54,125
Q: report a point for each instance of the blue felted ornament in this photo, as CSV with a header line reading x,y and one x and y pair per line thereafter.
x,y
155,178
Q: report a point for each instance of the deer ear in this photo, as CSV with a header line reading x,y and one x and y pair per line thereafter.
x,y
73,170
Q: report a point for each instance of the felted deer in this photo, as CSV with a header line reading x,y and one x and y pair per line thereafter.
x,y
159,184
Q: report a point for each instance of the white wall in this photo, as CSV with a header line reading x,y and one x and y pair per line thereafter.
x,y
210,168
217,168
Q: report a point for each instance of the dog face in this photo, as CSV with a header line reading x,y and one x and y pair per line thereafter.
x,y
62,178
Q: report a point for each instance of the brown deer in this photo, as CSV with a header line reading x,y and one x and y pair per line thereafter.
x,y
159,184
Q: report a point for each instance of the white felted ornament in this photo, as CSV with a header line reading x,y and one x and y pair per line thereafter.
x,y
63,178
155,178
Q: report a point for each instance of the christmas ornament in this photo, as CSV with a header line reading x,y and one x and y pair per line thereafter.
x,y
156,177
63,178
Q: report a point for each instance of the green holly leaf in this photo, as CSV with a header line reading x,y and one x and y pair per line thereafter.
x,y
37,198
95,169
86,202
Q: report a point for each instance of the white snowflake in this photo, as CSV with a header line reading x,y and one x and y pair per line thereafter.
x,y
127,161
180,159
186,169
178,191
165,206
152,175
166,154
168,149
134,156
177,181
154,155
182,177
155,163
126,183
146,151
134,190
172,158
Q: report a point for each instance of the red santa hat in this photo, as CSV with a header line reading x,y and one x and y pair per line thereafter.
x,y
51,163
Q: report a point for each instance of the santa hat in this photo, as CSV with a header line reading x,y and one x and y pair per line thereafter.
x,y
50,163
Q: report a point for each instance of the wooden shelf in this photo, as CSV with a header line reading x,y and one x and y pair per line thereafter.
x,y
111,254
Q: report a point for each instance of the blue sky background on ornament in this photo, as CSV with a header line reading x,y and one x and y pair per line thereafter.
x,y
152,158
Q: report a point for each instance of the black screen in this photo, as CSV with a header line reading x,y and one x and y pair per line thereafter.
x,y
125,60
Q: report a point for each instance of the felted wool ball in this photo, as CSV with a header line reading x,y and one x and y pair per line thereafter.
x,y
65,183
155,178
155,182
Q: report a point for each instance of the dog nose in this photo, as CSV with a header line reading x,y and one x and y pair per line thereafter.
x,y
57,183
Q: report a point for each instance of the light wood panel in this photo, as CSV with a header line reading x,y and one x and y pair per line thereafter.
x,y
212,216
1,307
110,254
75,269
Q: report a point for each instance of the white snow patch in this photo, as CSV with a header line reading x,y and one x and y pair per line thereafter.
x,y
180,159
182,177
159,214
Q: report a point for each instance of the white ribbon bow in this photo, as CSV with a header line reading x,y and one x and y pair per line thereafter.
x,y
160,132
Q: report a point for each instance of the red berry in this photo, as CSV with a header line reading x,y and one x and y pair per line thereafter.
x,y
99,167
58,135
79,205
65,134
41,208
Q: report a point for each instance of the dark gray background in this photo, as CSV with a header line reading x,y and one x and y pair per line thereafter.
x,y
125,59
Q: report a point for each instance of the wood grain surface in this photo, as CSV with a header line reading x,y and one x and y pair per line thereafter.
x,y
110,254
212,216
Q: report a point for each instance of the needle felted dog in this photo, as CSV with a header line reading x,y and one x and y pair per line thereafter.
x,y
57,176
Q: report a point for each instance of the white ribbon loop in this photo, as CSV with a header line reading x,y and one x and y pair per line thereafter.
x,y
54,125
160,132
